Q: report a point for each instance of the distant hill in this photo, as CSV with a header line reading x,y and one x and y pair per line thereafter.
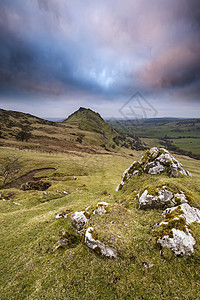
x,y
88,120
83,131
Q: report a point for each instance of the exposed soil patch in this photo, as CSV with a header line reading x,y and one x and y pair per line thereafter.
x,y
26,177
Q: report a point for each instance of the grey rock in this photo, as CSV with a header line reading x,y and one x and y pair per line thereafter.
x,y
164,198
102,208
191,214
78,220
154,161
97,246
181,243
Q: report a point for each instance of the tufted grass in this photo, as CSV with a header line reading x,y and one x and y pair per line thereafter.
x,y
30,270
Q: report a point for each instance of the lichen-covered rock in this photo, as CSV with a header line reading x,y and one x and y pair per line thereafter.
x,y
97,246
161,198
35,185
78,220
154,161
173,231
181,243
128,173
191,214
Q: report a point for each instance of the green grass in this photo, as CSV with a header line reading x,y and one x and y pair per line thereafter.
x,y
184,133
191,144
30,270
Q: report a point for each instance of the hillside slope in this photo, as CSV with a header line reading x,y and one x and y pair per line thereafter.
x,y
88,120
84,131
53,137
30,230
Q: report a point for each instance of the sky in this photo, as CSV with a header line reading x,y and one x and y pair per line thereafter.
x,y
121,58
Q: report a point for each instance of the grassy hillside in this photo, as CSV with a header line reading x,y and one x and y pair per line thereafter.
x,y
88,120
84,131
47,136
30,270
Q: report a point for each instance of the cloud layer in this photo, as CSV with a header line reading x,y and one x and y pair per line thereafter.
x,y
99,51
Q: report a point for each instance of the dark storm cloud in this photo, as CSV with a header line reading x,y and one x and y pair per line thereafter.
x,y
105,48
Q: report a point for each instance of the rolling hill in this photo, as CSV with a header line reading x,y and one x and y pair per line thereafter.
x,y
83,131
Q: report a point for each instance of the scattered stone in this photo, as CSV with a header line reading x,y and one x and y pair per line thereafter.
x,y
35,185
147,265
78,220
102,208
154,161
161,198
97,246
63,214
67,240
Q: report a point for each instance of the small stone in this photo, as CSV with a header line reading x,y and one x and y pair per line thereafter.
x,y
94,244
78,220
102,208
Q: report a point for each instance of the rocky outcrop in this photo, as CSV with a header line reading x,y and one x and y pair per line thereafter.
x,y
35,185
160,198
154,161
173,231
100,248
80,218
101,208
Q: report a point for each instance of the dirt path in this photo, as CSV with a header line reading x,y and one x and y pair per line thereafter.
x,y
24,178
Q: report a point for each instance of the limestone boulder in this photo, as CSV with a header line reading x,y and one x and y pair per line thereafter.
x,y
153,162
174,232
101,208
181,243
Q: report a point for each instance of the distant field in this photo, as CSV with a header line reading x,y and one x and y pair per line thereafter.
x,y
191,144
182,133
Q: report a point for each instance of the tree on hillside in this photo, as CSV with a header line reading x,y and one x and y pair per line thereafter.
x,y
23,135
9,169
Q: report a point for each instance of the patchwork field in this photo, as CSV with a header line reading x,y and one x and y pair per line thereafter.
x,y
179,135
